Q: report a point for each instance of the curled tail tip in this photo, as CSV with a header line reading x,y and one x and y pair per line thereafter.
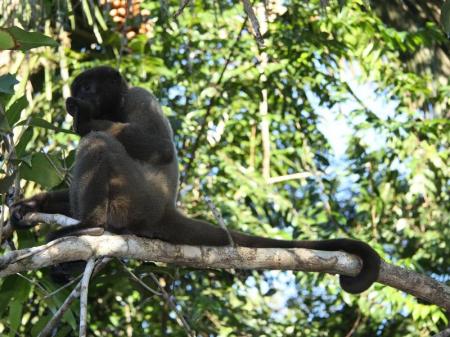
x,y
353,285
364,280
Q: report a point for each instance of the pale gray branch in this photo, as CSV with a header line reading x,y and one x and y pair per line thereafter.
x,y
130,246
56,318
84,295
61,220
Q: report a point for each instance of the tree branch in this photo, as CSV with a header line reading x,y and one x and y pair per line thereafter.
x,y
445,333
56,318
84,295
130,246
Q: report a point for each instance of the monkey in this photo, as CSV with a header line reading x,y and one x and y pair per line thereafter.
x,y
125,179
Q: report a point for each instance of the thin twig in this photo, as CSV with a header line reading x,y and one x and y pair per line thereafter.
x,y
279,179
138,280
219,218
16,256
265,133
180,318
53,322
68,284
255,24
2,215
35,283
183,5
60,174
84,295
56,318
355,325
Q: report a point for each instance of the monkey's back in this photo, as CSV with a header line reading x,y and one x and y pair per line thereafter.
x,y
144,109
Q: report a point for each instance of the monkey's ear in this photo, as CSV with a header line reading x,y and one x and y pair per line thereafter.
x,y
71,106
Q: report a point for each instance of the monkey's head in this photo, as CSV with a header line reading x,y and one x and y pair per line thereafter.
x,y
104,89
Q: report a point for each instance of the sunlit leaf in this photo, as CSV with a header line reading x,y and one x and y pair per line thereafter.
x,y
24,40
41,171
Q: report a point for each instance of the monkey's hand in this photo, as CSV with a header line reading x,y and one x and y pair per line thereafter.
x,y
22,207
166,153
81,112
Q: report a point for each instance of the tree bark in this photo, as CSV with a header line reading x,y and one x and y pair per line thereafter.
x,y
130,246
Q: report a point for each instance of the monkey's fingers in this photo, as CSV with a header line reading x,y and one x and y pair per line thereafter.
x,y
18,212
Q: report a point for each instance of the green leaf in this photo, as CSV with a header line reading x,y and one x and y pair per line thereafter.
x,y
87,12
4,125
37,327
15,316
445,16
24,40
41,171
7,83
23,142
42,123
6,40
6,182
13,113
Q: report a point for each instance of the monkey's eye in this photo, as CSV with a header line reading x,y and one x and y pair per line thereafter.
x,y
88,88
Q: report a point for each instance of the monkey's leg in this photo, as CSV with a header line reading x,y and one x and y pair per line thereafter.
x,y
108,188
56,202
138,140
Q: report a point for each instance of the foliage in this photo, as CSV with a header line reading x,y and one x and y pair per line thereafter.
x,y
343,110
445,16
17,38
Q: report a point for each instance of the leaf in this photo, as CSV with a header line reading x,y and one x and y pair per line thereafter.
x,y
13,113
42,123
99,17
41,171
87,12
445,17
40,324
6,182
23,142
24,40
6,40
7,83
15,315
14,291
4,125
156,66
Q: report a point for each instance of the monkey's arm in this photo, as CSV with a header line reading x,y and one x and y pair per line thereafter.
x,y
138,141
56,202
81,112
143,138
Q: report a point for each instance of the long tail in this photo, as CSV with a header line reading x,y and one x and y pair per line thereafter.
x,y
180,229
353,284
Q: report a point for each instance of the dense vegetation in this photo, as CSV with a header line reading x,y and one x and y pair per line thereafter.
x,y
326,131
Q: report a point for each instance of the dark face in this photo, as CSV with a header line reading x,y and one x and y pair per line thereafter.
x,y
103,88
